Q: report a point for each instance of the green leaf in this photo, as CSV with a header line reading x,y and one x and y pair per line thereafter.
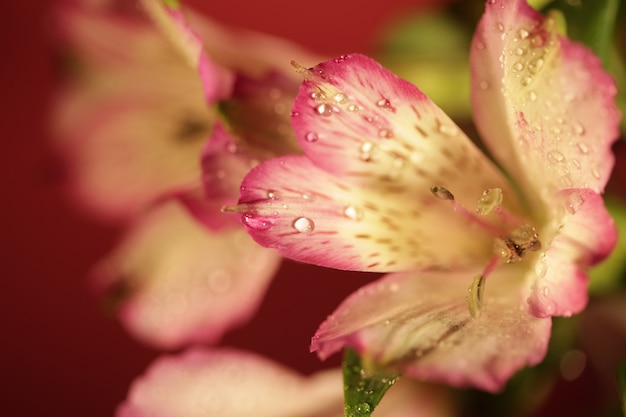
x,y
621,375
363,388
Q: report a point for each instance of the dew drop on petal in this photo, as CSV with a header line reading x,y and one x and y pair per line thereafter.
x,y
582,148
595,173
311,137
579,129
574,201
519,51
304,225
353,108
532,95
272,194
523,33
545,291
255,222
324,109
340,98
541,267
484,85
383,102
526,81
353,213
385,133
555,156
535,65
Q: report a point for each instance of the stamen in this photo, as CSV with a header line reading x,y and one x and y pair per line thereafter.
x,y
475,296
306,73
513,247
443,193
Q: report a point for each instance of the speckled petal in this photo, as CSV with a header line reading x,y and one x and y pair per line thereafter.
x,y
312,216
420,324
585,235
230,383
216,80
181,284
132,125
375,145
544,105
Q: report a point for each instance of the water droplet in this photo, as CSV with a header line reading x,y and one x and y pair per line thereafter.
x,y
363,408
255,222
574,201
526,81
579,129
366,149
311,137
316,95
383,102
294,114
449,130
519,51
341,98
535,65
340,59
353,108
308,197
537,40
304,225
523,33
484,85
518,66
532,95
541,267
582,148
353,213
324,110
272,194
555,156
385,133
545,291
480,45
595,173
500,27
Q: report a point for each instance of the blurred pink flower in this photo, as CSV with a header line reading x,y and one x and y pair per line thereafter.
x,y
232,383
389,183
133,122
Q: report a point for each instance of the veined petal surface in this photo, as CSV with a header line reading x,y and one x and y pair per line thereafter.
x,y
419,323
544,105
583,234
375,145
181,283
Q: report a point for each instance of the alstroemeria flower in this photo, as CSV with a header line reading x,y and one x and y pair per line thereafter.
x,y
481,260
134,124
232,383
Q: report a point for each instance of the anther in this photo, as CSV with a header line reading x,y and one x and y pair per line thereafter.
x,y
489,201
513,247
475,296
441,193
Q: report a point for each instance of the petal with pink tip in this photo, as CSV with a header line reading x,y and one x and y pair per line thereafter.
x,y
230,383
585,235
359,121
309,215
216,80
419,323
544,105
182,284
132,126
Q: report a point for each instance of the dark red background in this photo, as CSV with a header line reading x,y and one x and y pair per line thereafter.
x,y
61,356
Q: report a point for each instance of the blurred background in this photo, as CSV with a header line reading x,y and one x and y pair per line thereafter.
x,y
62,355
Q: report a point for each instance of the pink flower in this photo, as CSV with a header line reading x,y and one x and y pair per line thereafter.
x,y
133,124
390,184
232,383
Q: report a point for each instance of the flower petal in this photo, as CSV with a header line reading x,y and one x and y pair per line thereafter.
x,y
183,284
375,146
419,323
586,234
216,80
134,121
230,383
544,105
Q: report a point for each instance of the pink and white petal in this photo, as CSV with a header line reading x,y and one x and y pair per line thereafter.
x,y
132,125
230,383
359,121
544,105
169,17
309,215
583,234
419,323
184,284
